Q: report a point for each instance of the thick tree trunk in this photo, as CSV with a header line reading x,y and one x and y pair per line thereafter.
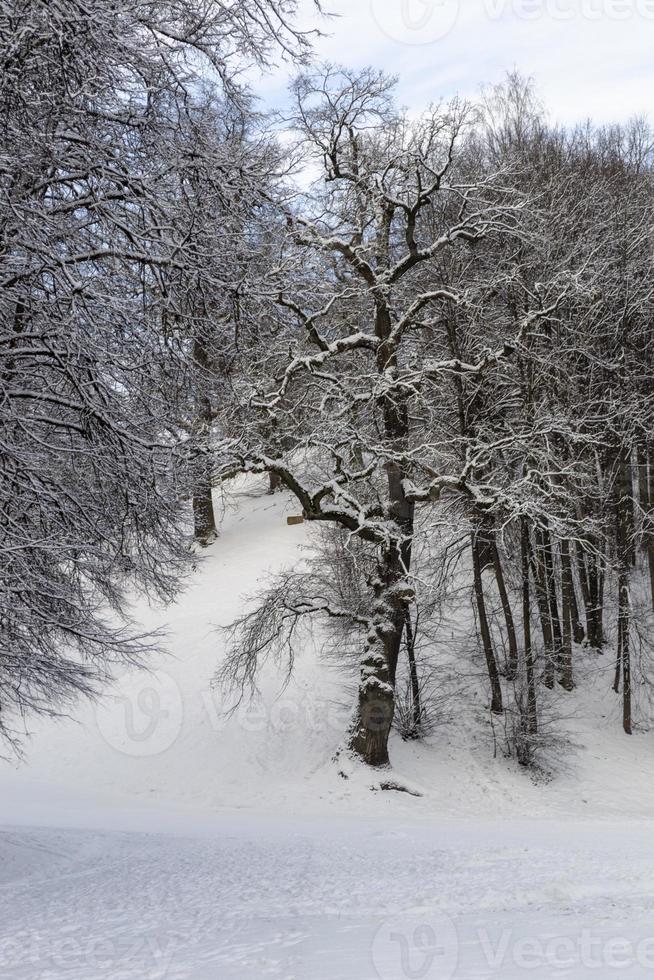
x,y
369,739
393,593
484,629
274,482
376,704
204,518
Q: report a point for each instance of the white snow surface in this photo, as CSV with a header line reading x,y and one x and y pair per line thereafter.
x,y
150,836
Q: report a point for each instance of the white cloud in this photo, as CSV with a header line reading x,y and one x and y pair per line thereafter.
x,y
588,57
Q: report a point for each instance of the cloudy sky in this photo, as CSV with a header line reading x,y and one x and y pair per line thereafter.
x,y
588,57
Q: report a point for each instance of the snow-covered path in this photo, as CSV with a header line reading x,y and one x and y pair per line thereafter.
x,y
254,897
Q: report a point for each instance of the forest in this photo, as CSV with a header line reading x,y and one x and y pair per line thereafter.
x,y
326,490
433,330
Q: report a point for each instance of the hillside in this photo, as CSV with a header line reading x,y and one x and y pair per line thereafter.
x,y
203,846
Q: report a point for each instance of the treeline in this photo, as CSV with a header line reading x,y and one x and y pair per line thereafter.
x,y
458,335
433,331
122,124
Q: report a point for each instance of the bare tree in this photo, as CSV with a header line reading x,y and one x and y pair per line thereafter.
x,y
354,387
93,97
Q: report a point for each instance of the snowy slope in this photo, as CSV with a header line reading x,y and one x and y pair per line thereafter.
x,y
152,836
329,900
164,736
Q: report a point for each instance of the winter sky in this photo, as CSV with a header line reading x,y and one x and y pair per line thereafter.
x,y
587,57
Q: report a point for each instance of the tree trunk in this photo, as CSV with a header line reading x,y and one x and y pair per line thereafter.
x,y
530,676
545,617
369,739
646,492
204,518
650,520
487,643
623,627
547,552
274,482
567,592
578,631
512,665
624,547
376,705
595,612
413,672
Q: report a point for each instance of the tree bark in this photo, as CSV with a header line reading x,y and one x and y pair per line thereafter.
x,y
376,705
484,629
578,631
547,552
545,616
204,517
624,547
595,610
512,664
274,482
646,495
526,618
567,592
413,672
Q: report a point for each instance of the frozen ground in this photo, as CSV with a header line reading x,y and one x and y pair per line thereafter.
x,y
153,838
250,897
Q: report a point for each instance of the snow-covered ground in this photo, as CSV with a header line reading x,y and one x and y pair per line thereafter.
x,y
153,837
